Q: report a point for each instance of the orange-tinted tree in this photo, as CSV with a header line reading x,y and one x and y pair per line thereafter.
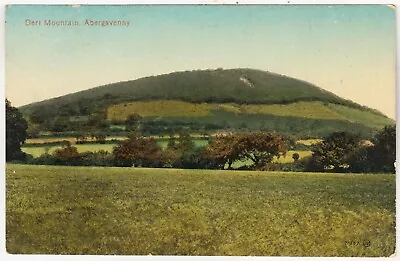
x,y
222,151
259,147
66,155
139,152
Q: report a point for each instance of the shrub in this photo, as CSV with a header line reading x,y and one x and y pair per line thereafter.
x,y
44,159
67,155
377,158
138,151
296,157
334,152
100,158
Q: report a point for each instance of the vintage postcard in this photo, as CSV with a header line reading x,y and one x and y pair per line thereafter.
x,y
201,130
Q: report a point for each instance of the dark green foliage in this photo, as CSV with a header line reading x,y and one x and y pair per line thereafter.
x,y
38,117
81,137
379,157
295,156
33,131
183,143
132,123
100,136
194,159
99,158
70,157
16,132
384,149
334,152
62,123
360,160
181,152
44,159
97,121
294,127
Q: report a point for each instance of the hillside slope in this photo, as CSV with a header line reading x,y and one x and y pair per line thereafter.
x,y
217,99
247,86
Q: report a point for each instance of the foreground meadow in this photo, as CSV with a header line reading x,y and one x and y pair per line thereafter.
x,y
127,211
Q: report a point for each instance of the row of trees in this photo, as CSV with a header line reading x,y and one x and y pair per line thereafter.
x,y
339,152
345,152
221,153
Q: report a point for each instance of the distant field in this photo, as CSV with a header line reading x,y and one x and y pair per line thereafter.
x,y
284,159
311,110
365,117
70,139
39,150
288,157
197,143
158,108
309,142
128,211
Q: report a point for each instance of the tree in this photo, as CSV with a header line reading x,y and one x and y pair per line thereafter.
x,y
259,147
296,157
384,149
16,132
33,130
132,122
100,136
380,157
184,142
81,137
179,151
334,152
67,155
38,116
222,151
138,151
62,123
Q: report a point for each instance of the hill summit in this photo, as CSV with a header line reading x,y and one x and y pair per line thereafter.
x,y
241,86
226,99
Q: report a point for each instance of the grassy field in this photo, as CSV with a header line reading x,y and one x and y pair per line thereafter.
x,y
78,210
72,140
288,157
39,150
365,117
158,108
311,110
309,142
284,159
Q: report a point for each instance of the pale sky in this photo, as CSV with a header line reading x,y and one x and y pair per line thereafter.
x,y
348,50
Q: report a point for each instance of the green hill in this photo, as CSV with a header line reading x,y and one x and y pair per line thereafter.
x,y
219,99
